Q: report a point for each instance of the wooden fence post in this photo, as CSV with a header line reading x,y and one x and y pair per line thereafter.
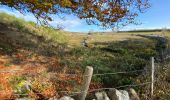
x,y
152,77
86,82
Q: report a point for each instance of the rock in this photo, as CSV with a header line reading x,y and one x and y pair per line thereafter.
x,y
133,95
23,98
66,98
118,95
101,96
125,95
53,98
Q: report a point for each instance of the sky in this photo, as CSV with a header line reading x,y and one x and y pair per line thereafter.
x,y
158,16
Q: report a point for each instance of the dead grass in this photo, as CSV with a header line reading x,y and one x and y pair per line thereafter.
x,y
75,39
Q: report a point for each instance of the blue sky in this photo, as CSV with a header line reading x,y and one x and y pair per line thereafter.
x,y
158,16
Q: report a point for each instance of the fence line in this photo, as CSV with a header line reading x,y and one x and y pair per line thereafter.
x,y
152,76
76,93
123,72
87,77
42,93
86,82
121,87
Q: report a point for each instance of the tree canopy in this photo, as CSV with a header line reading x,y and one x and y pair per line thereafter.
x,y
104,13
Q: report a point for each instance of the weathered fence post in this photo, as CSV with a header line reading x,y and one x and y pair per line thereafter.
x,y
86,82
152,77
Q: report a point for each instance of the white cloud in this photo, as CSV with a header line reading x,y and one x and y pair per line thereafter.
x,y
67,23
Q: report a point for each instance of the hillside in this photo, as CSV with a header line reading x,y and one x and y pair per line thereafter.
x,y
43,57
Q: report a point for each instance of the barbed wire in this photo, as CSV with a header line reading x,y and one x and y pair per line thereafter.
x,y
123,72
68,74
77,93
93,90
123,86
101,74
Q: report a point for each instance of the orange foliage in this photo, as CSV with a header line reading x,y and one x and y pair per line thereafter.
x,y
34,67
98,12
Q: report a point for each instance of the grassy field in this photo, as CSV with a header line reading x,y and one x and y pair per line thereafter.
x,y
43,55
75,39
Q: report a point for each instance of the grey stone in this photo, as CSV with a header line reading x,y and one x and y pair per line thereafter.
x,y
118,95
101,96
66,98
125,95
133,95
53,98
23,98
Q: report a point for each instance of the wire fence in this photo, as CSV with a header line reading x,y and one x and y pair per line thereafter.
x,y
89,91
121,72
124,72
84,92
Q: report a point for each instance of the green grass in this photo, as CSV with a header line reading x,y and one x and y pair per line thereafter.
x,y
113,57
31,27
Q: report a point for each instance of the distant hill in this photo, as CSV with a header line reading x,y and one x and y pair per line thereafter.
x,y
145,30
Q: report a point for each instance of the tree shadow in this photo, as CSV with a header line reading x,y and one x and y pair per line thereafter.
x,y
21,47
